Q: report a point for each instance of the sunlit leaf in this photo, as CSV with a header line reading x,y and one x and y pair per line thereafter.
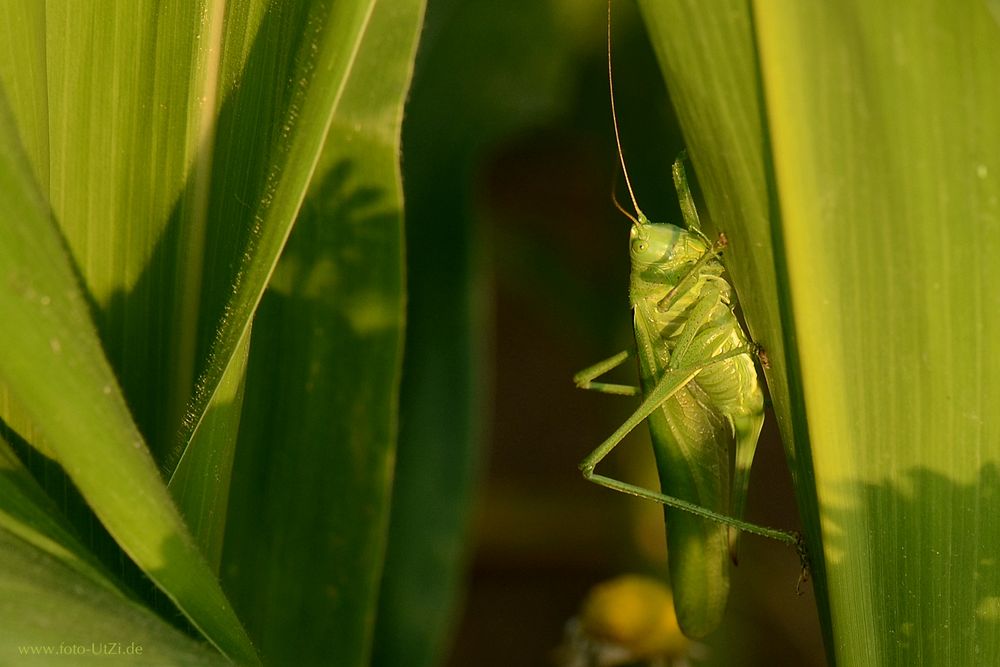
x,y
53,364
850,152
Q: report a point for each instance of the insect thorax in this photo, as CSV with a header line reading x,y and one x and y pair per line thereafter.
x,y
661,255
668,297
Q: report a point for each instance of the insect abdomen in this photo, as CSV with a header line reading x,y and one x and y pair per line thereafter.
x,y
695,430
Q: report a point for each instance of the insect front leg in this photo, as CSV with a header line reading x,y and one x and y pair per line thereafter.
x,y
690,278
684,197
585,378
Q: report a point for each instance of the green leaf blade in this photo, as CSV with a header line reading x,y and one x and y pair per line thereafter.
x,y
48,608
53,365
312,478
871,250
260,178
889,200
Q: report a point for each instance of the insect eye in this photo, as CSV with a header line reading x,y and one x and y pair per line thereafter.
x,y
639,246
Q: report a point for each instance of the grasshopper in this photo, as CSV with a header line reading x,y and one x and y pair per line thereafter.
x,y
700,396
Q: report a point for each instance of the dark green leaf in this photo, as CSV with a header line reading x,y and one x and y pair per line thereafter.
x,y
312,478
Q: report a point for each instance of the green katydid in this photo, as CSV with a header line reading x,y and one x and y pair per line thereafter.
x,y
701,397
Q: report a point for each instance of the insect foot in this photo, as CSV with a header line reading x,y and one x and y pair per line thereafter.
x,y
803,552
761,354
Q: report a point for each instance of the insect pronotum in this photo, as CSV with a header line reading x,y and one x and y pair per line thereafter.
x,y
700,395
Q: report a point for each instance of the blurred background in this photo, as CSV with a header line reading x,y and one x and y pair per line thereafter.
x,y
518,279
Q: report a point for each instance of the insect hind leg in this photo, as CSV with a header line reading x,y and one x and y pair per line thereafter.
x,y
672,381
783,536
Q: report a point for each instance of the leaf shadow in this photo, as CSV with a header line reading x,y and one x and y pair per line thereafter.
x,y
317,437
136,327
140,324
923,547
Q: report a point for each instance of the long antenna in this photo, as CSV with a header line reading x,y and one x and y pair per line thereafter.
x,y
614,120
621,209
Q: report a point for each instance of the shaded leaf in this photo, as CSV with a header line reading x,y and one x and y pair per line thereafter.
x,y
200,482
487,56
311,485
49,611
